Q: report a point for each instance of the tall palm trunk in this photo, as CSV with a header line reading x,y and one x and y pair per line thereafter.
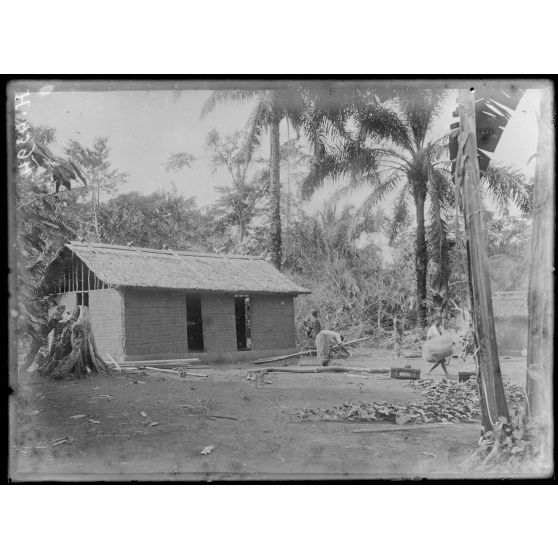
x,y
274,162
95,203
421,255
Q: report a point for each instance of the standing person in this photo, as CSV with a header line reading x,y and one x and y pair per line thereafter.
x,y
398,333
435,331
313,325
325,340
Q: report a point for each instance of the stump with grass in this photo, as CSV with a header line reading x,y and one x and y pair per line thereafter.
x,y
73,351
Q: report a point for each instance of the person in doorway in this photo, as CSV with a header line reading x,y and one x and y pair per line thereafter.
x,y
398,333
434,331
325,341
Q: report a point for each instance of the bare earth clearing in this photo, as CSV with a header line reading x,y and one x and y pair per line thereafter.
x,y
117,440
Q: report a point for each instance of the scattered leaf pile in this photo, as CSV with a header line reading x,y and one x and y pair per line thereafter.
x,y
445,401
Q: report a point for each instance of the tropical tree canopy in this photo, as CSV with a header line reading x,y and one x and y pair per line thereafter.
x,y
386,147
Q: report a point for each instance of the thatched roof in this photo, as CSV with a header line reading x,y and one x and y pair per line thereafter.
x,y
509,304
126,266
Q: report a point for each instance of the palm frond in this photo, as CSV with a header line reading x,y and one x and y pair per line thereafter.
x,y
380,123
226,95
401,215
292,105
440,246
508,185
329,165
443,186
258,121
351,159
420,108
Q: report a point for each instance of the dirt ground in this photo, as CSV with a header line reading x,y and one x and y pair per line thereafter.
x,y
117,439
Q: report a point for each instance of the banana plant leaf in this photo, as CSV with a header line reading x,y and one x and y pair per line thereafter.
x,y
493,109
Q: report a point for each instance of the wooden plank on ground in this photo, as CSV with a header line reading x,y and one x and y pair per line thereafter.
x,y
321,369
404,427
175,362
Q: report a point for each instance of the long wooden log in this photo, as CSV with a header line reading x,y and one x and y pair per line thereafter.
x,y
321,369
346,343
284,357
177,372
427,426
175,362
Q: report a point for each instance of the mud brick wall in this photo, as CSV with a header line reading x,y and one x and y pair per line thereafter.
x,y
272,322
106,313
219,326
155,322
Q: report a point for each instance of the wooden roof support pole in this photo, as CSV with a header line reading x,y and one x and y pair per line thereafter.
x,y
540,300
493,399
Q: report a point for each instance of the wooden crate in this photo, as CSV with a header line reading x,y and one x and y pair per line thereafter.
x,y
405,373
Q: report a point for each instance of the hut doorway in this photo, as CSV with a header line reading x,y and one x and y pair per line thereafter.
x,y
194,324
242,319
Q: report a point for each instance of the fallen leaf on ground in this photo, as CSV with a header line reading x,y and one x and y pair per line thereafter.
x,y
143,413
95,421
153,423
106,396
77,416
95,387
35,412
207,450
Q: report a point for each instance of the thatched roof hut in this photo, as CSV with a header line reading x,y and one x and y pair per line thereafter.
x,y
128,266
146,303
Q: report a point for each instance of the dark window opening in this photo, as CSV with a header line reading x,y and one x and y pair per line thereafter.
x,y
194,325
243,325
83,299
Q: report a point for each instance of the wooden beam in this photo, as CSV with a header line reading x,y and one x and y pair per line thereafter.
x,y
540,348
394,428
175,362
468,180
320,369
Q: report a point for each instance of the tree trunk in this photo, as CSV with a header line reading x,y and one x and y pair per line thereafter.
x,y
95,215
241,230
421,256
493,399
274,162
541,303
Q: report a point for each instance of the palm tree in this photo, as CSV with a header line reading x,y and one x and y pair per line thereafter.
x,y
271,107
385,146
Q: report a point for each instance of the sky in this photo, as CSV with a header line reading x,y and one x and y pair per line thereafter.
x,y
145,127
